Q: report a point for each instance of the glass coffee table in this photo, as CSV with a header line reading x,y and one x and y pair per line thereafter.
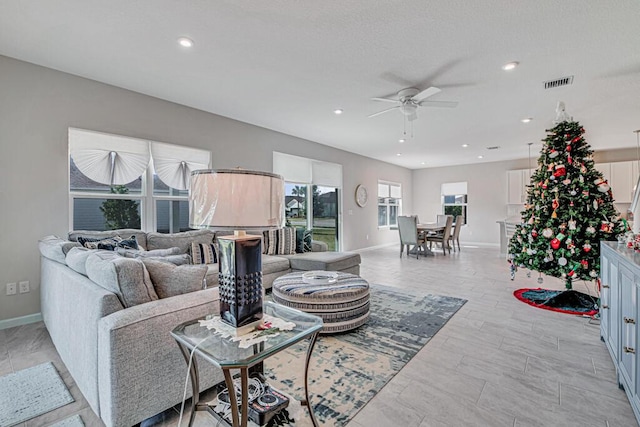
x,y
227,354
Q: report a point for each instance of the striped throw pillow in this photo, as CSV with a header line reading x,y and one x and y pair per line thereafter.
x,y
281,241
204,253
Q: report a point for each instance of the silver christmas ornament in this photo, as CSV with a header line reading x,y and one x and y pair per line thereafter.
x,y
540,280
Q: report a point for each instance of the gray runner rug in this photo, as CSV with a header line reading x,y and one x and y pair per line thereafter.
x,y
31,392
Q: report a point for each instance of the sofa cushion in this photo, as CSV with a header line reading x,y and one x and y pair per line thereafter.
x,y
77,259
55,248
125,233
329,261
180,240
281,241
126,277
274,264
211,278
204,253
170,280
133,253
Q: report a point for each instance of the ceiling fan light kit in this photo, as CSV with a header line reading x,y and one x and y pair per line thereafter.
x,y
410,99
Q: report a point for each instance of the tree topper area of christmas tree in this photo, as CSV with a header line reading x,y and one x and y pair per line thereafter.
x,y
569,209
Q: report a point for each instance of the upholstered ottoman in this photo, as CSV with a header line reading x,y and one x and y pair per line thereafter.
x,y
343,305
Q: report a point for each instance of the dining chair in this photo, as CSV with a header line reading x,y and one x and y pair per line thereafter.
x,y
442,219
443,237
408,229
455,236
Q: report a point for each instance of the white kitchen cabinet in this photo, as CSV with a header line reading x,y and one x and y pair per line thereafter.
x,y
621,181
620,279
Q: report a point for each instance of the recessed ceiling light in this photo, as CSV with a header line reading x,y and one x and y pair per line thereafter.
x,y
338,111
185,42
465,145
481,157
526,120
422,163
401,140
510,65
399,154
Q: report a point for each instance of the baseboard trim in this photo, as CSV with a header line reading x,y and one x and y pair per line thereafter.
x,y
480,244
371,248
19,321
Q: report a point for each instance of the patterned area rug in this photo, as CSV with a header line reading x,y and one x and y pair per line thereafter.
x,y
31,392
348,369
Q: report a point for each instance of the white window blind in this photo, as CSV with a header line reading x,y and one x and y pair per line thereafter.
x,y
389,190
108,159
307,171
173,164
452,188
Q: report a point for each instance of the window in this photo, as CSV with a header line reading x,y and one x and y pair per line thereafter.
x,y
120,182
311,195
389,203
454,199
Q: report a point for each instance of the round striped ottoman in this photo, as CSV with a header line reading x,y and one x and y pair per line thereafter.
x,y
343,305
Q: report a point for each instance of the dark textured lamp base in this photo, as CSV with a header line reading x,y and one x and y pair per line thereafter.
x,y
240,282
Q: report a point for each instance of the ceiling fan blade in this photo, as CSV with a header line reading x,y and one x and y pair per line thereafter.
x,y
383,111
385,99
441,104
430,91
411,117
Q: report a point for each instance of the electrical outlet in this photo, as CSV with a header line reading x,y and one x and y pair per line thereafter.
x,y
23,287
11,288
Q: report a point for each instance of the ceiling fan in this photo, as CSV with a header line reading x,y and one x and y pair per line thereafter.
x,y
410,99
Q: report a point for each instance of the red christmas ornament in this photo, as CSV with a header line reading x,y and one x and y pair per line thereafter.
x,y
534,233
571,273
555,244
576,139
586,247
585,263
560,171
569,159
568,148
555,204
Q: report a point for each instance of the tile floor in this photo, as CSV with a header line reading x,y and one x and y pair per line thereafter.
x,y
497,362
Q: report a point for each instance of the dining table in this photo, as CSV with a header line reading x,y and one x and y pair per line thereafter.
x,y
430,227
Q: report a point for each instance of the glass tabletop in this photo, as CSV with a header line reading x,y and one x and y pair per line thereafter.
x,y
224,352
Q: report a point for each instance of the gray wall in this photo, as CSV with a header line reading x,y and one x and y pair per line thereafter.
x,y
38,105
487,192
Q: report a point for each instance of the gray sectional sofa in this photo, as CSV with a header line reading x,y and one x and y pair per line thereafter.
x,y
112,332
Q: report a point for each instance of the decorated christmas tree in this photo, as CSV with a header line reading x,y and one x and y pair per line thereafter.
x,y
569,210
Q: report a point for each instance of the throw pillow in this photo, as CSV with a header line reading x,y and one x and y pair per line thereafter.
x,y
109,244
170,280
303,240
139,253
204,253
281,241
125,277
77,259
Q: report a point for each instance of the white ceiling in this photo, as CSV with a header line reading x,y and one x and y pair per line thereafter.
x,y
286,65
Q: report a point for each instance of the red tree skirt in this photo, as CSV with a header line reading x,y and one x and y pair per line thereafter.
x,y
569,302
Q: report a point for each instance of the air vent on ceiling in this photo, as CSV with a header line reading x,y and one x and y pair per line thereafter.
x,y
563,81
495,147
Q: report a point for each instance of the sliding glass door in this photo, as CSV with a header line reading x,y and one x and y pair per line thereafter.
x,y
316,208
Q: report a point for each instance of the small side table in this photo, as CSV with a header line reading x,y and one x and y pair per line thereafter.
x,y
227,355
